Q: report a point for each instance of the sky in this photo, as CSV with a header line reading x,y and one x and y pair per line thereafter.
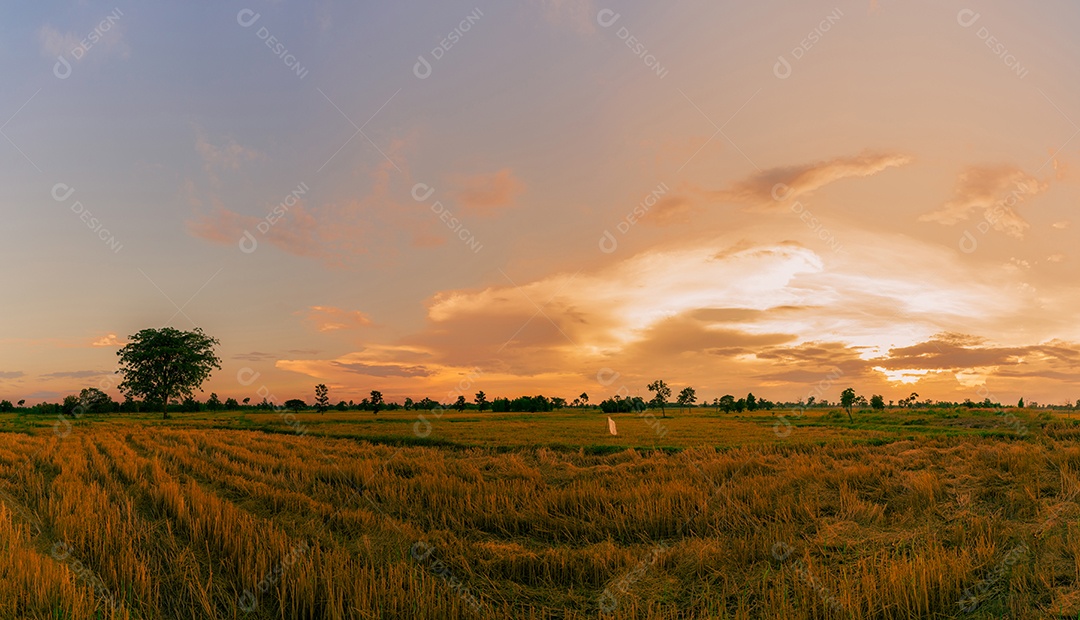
x,y
546,197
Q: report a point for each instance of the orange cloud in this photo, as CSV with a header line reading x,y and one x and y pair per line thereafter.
x,y
671,210
108,340
329,318
779,184
484,194
991,191
221,226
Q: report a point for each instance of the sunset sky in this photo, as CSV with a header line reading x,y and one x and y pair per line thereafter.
x,y
411,196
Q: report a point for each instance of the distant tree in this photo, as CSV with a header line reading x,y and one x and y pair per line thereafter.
x,y
663,392
459,404
1021,403
89,400
618,404
860,401
558,403
342,406
727,403
190,405
376,401
910,401
70,405
213,403
130,405
6,406
22,402
584,399
164,364
740,405
751,402
231,404
481,401
530,403
687,397
877,401
716,404
810,401
322,398
246,401
847,401
295,405
408,403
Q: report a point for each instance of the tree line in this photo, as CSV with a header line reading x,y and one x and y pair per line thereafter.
x,y
162,368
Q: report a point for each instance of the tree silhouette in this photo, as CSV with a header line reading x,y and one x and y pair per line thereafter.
x,y
459,404
584,399
751,402
663,392
727,403
163,364
213,403
687,397
295,404
481,401
322,398
847,399
376,400
877,401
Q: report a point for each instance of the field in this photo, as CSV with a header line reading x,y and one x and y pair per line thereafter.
x,y
905,514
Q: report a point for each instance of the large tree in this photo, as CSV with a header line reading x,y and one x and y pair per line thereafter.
x,y
167,364
663,392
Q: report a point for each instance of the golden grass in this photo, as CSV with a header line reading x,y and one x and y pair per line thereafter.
x,y
122,520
